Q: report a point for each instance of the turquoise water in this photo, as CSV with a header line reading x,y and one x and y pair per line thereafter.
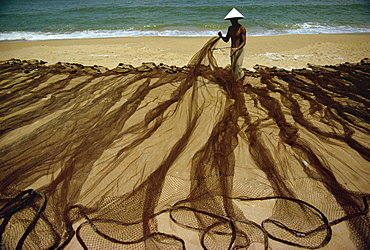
x,y
63,19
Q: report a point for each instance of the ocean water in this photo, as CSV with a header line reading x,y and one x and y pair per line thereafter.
x,y
66,19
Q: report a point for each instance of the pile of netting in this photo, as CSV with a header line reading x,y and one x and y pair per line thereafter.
x,y
161,157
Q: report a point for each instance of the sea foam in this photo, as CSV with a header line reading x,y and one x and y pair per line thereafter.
x,y
302,28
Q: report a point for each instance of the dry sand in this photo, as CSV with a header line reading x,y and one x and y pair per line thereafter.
x,y
288,51
61,107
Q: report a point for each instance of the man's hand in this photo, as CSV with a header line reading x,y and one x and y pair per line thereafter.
x,y
233,52
220,34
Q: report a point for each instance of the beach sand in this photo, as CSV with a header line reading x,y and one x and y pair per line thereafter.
x,y
287,51
135,143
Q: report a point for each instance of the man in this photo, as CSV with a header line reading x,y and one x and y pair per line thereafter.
x,y
237,33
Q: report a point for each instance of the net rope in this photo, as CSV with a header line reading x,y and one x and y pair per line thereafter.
x,y
168,158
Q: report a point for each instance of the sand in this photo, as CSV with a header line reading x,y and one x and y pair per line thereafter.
x,y
92,138
288,51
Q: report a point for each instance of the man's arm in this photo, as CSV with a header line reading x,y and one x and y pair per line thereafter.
x,y
226,38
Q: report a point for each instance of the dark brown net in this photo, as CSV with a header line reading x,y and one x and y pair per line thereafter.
x,y
161,157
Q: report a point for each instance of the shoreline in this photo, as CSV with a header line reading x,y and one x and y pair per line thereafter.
x,y
282,51
102,38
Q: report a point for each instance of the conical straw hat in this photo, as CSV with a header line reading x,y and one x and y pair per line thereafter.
x,y
234,14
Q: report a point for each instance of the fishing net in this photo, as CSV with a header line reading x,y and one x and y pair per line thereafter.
x,y
160,157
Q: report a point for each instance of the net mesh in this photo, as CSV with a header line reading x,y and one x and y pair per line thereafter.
x,y
161,157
